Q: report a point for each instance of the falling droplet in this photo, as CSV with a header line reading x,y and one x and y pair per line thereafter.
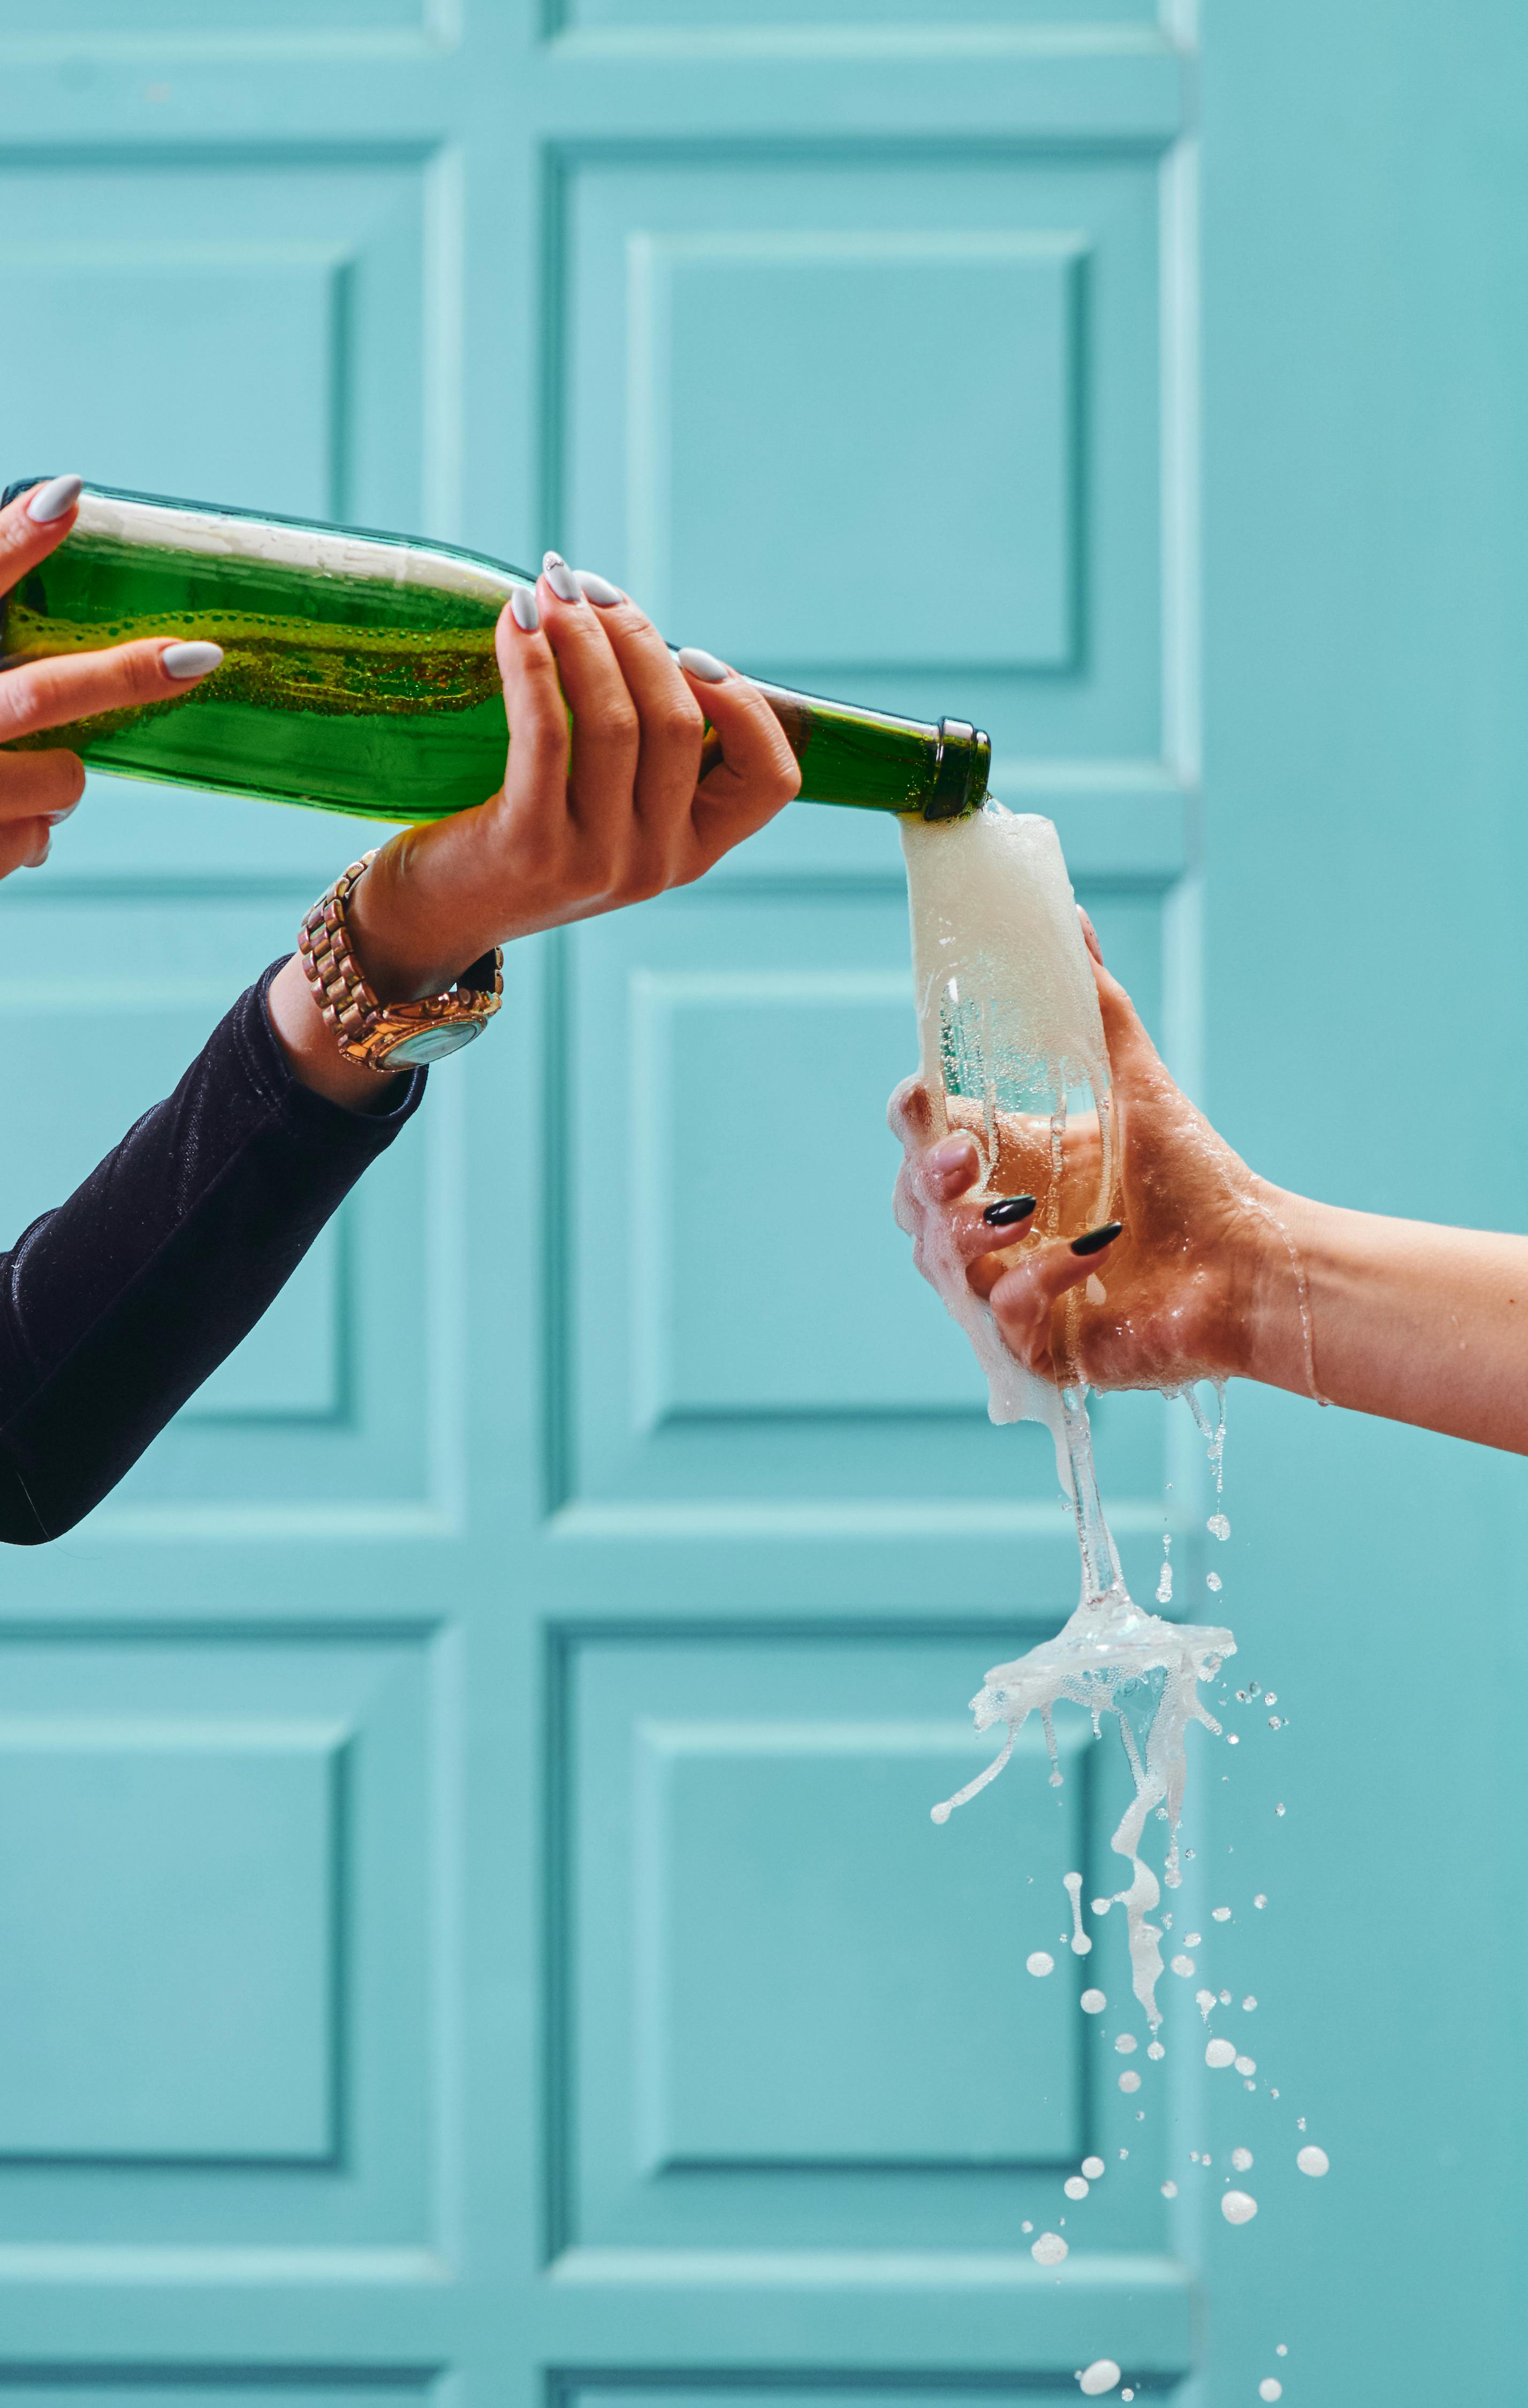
x,y
1225,1998
1184,1965
1076,2187
1081,1944
1218,1526
1205,2000
1247,2066
1221,1914
1125,2044
1272,1697
1093,2002
1238,2207
1039,1964
1170,2190
1312,2160
1192,1938
1098,2378
1234,1739
1156,2050
1261,1899
1048,2250
1093,2169
1270,2388
1220,2053
1212,1580
1026,2228
1101,1905
1249,2005
1242,2160
1275,1722
1130,2079
1279,1809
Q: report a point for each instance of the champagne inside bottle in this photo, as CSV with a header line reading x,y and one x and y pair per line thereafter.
x,y
359,672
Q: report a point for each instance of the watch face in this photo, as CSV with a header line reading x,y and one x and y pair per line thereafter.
x,y
431,1044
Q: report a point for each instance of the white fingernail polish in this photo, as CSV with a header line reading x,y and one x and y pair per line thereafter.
x,y
561,578
51,501
180,661
524,609
704,666
598,589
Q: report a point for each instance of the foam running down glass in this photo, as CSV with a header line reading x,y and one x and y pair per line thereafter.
x,y
359,672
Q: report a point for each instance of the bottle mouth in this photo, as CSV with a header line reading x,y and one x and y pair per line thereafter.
x,y
961,768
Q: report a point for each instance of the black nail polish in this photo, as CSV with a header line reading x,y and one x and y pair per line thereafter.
x,y
1007,1210
1094,1242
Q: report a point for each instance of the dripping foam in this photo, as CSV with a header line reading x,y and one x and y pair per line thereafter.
x,y
1009,1024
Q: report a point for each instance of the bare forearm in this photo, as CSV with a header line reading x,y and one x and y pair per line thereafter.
x,y
1407,1320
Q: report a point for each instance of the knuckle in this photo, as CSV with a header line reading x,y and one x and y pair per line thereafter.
x,y
618,725
683,724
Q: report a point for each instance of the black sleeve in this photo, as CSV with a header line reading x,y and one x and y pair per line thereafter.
x,y
116,1306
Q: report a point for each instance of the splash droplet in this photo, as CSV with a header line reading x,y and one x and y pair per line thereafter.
x,y
1125,2044
1048,2250
1039,1964
1076,2187
1130,2079
1098,2378
1250,2006
1247,2066
1093,2002
1270,2388
1261,1899
1312,2160
1238,2207
1170,2190
1184,1965
1218,1526
1220,2053
1221,1913
1093,2169
1154,2050
1212,1580
1242,2160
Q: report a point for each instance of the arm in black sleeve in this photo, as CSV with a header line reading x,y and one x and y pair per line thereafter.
x,y
115,1307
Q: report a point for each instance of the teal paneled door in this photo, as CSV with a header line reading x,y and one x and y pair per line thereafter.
x,y
471,1927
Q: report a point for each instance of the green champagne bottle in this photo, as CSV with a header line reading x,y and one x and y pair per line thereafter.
x,y
359,671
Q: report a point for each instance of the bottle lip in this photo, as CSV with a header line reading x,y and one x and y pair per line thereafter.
x,y
961,768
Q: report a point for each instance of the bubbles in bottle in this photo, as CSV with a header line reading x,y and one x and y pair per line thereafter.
x,y
1093,2002
1238,2206
1039,1963
1098,2378
1048,2250
1220,2053
1312,2160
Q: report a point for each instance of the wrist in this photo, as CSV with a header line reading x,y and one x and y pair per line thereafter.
x,y
1278,1335
403,949
312,1055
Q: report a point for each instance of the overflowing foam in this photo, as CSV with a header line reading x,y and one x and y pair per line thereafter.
x,y
1009,1023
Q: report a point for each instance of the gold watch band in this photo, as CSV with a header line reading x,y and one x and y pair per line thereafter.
x,y
389,1037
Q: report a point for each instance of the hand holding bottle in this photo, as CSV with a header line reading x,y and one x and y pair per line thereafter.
x,y
624,801
38,788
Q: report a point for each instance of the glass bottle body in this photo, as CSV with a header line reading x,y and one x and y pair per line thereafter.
x,y
359,673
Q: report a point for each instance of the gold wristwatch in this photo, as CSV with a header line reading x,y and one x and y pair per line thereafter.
x,y
388,1037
